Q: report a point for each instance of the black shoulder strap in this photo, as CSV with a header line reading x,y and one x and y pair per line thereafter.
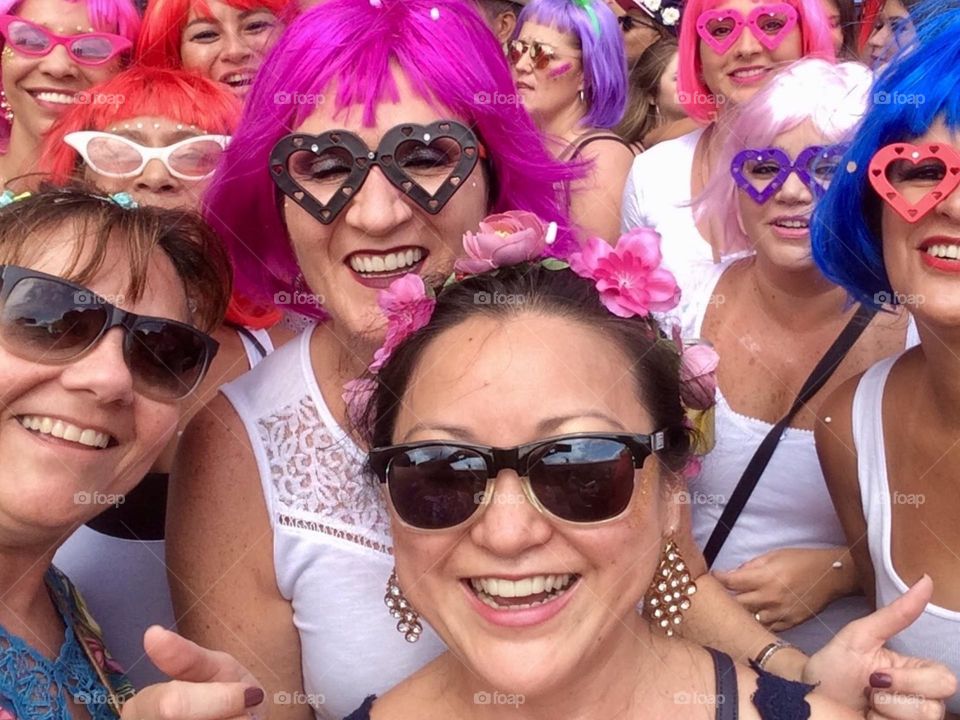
x,y
727,699
758,463
581,144
245,331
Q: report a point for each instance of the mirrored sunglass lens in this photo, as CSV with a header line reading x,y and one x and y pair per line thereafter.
x,y
584,480
516,51
27,38
113,156
166,360
436,487
91,49
196,159
541,55
48,321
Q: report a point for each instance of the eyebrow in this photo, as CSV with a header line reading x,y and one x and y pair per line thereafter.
x,y
167,138
213,21
545,427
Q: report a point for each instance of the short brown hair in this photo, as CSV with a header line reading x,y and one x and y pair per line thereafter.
x,y
197,255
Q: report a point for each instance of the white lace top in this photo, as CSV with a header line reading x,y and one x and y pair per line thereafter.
x,y
331,535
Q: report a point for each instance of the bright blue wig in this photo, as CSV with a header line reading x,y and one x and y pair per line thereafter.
x,y
920,86
604,59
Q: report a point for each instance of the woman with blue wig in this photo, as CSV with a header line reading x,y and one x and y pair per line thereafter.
x,y
888,438
571,74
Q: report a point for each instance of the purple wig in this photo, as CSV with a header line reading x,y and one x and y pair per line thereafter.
x,y
119,17
450,58
603,56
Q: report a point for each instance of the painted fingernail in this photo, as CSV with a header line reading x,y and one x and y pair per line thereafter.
x,y
252,696
880,680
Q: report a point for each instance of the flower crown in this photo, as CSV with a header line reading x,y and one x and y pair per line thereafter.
x,y
628,277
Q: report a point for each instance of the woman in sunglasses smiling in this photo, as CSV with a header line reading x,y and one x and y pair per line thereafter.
x,y
103,318
533,493
52,51
161,146
889,451
569,67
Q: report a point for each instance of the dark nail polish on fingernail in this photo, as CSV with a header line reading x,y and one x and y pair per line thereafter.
x,y
880,680
252,696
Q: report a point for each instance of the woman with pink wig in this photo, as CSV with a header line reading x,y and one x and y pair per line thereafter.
x,y
728,50
53,52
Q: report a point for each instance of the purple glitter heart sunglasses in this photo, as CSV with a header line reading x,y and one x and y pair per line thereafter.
x,y
761,172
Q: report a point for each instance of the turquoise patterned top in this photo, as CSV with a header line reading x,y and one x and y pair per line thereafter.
x,y
33,687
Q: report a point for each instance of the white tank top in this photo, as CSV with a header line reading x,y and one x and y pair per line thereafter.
x,y
124,581
332,548
936,633
790,506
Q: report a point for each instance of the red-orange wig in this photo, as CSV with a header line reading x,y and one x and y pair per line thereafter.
x,y
164,20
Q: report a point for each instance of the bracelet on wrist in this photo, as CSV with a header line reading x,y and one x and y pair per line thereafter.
x,y
763,657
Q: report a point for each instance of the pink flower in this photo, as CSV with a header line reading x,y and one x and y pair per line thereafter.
x,y
505,239
628,276
698,376
408,308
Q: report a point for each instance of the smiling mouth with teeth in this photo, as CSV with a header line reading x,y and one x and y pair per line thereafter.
x,y
522,594
87,437
793,224
394,263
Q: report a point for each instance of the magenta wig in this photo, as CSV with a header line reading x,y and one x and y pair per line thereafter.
x,y
119,17
450,58
832,98
697,98
602,53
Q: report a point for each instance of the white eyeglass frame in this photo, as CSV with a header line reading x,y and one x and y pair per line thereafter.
x,y
80,140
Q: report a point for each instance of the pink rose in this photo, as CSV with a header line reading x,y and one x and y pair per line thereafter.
x,y
628,276
505,239
408,308
698,376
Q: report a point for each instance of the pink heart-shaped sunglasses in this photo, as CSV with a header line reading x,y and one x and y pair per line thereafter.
x,y
770,24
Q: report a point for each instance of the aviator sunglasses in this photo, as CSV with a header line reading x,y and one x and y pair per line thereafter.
x,y
49,320
540,53
115,156
585,478
33,40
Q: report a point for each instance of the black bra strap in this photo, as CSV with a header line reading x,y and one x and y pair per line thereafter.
x,y
726,682
580,145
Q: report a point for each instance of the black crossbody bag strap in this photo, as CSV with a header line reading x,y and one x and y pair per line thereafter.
x,y
758,463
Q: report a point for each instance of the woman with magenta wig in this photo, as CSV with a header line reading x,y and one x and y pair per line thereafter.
x,y
223,40
889,453
355,163
53,51
571,75
160,146
728,50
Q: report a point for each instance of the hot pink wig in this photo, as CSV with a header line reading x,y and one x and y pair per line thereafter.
x,y
451,60
831,97
697,98
119,17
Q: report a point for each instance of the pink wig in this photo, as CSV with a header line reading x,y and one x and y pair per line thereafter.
x,y
119,17
451,60
833,98
697,98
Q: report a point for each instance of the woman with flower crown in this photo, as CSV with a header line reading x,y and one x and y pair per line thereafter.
x,y
534,490
380,181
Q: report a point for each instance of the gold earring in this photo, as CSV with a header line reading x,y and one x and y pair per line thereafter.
x,y
669,594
